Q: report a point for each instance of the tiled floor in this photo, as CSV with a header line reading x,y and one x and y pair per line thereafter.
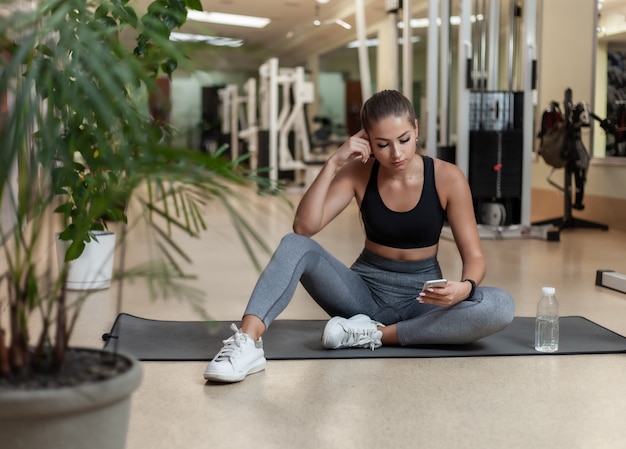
x,y
503,402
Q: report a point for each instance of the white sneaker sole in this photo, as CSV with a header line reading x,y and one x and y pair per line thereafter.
x,y
258,365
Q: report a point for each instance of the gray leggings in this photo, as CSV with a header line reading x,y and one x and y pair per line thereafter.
x,y
384,289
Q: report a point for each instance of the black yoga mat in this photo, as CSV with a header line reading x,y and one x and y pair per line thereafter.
x,y
301,339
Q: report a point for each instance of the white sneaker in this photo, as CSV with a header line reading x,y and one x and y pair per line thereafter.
x,y
241,355
356,332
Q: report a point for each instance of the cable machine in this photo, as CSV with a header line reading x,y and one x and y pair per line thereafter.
x,y
239,119
284,134
494,147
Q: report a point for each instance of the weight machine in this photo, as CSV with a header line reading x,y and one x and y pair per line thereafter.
x,y
500,178
239,118
284,94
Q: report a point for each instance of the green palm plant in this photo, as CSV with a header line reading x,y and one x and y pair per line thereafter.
x,y
75,134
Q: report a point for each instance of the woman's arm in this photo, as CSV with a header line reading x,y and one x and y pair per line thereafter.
x,y
456,197
333,188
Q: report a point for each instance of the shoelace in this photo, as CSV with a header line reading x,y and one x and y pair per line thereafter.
x,y
231,343
359,337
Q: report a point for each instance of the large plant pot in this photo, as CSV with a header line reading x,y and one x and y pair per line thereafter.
x,y
92,415
94,268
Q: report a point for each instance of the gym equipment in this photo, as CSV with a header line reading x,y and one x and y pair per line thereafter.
x,y
569,153
211,134
229,102
496,123
494,148
496,156
611,279
616,133
239,119
286,137
250,133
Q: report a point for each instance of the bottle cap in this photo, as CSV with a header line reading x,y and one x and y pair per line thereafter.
x,y
548,290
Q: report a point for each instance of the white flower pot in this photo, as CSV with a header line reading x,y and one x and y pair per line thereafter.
x,y
94,268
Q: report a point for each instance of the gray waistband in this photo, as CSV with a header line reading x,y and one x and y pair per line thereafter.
x,y
368,257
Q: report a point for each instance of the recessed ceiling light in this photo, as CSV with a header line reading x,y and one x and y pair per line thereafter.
x,y
227,19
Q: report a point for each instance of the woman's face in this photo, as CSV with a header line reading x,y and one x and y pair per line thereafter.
x,y
393,141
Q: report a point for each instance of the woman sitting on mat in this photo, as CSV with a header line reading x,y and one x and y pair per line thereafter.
x,y
404,199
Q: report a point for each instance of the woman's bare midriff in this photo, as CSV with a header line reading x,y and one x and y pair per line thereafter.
x,y
411,254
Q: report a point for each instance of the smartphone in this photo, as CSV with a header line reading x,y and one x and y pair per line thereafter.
x,y
434,283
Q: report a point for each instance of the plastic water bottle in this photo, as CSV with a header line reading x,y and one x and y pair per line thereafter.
x,y
547,322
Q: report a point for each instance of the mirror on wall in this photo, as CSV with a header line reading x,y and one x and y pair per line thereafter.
x,y
610,76
616,99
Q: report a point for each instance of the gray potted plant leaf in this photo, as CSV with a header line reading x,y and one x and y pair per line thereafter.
x,y
70,85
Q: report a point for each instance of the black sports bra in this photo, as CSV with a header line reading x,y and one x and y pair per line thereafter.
x,y
419,227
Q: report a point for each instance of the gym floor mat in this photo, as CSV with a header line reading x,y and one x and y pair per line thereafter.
x,y
157,340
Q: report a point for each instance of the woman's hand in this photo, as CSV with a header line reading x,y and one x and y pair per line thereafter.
x,y
333,188
453,293
356,146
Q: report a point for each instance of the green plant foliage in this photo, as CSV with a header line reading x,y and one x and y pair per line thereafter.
x,y
79,144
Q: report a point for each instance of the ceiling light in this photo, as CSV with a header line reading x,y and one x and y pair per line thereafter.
x,y
341,23
211,40
316,21
454,20
374,42
227,19
418,23
368,43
